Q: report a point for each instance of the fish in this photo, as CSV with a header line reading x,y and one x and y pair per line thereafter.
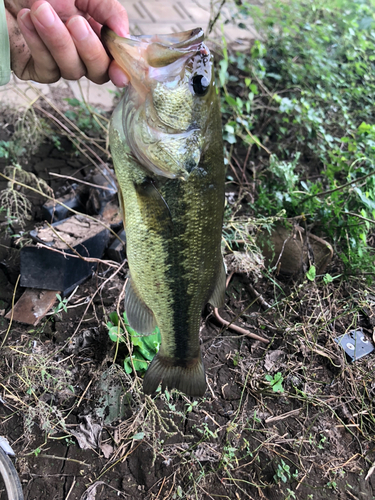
x,y
166,143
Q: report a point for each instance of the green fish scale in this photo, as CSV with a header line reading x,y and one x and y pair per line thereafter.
x,y
174,253
192,259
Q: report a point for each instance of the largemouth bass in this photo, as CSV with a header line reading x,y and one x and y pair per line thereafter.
x,y
166,143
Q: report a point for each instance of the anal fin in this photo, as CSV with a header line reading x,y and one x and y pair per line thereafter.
x,y
140,317
217,298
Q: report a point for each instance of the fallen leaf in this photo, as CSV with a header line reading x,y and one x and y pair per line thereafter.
x,y
273,360
88,435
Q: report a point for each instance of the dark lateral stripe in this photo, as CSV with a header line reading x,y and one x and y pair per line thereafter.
x,y
176,271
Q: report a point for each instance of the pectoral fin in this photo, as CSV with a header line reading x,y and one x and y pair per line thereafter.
x,y
154,208
218,295
140,317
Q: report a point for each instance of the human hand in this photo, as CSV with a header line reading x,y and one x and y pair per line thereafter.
x,y
61,38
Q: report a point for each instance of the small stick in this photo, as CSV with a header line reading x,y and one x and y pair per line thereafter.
x,y
260,299
213,420
370,471
55,457
212,392
105,188
12,313
281,417
238,329
109,263
71,488
228,279
235,327
161,487
84,392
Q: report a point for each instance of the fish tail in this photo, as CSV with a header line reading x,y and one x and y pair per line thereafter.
x,y
186,376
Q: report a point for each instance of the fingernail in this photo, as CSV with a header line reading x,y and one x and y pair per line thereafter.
x,y
124,81
26,19
122,32
45,15
78,28
118,77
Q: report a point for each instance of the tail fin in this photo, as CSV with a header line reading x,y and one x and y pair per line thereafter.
x,y
187,377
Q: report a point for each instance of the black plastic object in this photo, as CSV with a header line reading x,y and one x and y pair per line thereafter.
x,y
10,477
60,270
355,344
116,251
53,211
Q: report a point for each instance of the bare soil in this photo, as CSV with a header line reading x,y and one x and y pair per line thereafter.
x,y
63,387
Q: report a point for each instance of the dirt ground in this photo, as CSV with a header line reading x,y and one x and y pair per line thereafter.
x,y
63,387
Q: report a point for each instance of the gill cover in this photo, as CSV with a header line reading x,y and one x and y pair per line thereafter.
x,y
166,105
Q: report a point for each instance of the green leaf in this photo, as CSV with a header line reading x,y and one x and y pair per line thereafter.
x,y
71,115
231,101
276,381
139,436
127,366
113,317
311,273
145,347
73,101
223,72
327,278
115,333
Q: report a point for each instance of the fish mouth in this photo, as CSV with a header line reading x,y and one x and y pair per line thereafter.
x,y
157,50
143,57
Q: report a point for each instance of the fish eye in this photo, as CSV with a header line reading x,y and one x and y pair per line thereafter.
x,y
200,85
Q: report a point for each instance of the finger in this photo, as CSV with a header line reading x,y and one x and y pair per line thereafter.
x,y
19,52
118,77
110,13
57,39
116,74
90,49
40,65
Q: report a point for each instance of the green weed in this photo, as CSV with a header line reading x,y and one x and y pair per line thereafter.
x,y
144,347
332,485
61,304
4,149
276,382
301,101
83,115
290,494
283,473
311,273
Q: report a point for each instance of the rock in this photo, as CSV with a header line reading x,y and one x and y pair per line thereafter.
x,y
290,250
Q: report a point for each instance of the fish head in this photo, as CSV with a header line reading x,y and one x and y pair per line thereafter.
x,y
167,107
